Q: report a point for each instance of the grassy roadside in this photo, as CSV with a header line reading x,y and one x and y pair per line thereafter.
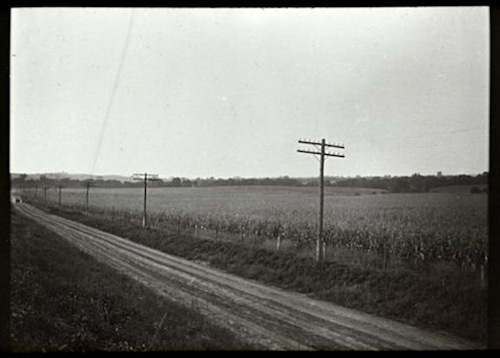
x,y
442,299
64,300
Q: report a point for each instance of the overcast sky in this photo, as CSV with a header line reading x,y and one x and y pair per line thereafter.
x,y
228,92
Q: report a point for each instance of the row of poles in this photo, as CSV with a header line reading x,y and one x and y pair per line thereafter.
x,y
322,153
319,152
88,183
91,182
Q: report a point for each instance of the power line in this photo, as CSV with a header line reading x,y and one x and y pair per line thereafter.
x,y
113,91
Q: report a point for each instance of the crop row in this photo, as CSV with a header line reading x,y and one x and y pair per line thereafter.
x,y
420,230
466,249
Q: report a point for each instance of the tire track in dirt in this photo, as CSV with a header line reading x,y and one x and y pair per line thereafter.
x,y
266,316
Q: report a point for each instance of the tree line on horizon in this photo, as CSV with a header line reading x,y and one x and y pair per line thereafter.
x,y
395,184
413,184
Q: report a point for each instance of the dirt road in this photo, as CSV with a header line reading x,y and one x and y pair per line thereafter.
x,y
268,317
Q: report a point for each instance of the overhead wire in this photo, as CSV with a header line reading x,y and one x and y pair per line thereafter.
x,y
113,92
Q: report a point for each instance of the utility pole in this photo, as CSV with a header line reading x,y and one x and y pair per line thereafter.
x,y
320,243
60,189
45,187
146,177
88,184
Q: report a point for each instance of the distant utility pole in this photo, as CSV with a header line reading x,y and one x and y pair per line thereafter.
x,y
88,184
320,244
60,189
45,187
146,177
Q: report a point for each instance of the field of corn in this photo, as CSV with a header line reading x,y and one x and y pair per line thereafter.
x,y
417,229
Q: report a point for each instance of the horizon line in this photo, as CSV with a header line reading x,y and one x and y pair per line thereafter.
x,y
255,177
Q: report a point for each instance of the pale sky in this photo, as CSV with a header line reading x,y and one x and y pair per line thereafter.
x,y
229,92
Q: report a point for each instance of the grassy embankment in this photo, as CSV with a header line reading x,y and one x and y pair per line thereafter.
x,y
64,300
435,299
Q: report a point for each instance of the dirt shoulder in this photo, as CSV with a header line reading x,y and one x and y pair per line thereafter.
x,y
63,299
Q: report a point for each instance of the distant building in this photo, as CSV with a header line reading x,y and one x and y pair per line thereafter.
x,y
439,174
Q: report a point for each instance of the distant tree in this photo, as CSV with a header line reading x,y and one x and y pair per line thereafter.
x,y
399,185
176,182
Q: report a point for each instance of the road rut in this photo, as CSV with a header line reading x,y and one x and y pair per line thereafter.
x,y
267,317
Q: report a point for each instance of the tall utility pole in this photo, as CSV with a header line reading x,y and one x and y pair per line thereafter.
x,y
320,243
146,177
88,184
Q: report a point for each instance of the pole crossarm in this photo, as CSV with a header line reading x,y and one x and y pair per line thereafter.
x,y
335,145
319,153
146,176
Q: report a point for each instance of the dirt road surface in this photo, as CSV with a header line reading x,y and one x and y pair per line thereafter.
x,y
267,317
